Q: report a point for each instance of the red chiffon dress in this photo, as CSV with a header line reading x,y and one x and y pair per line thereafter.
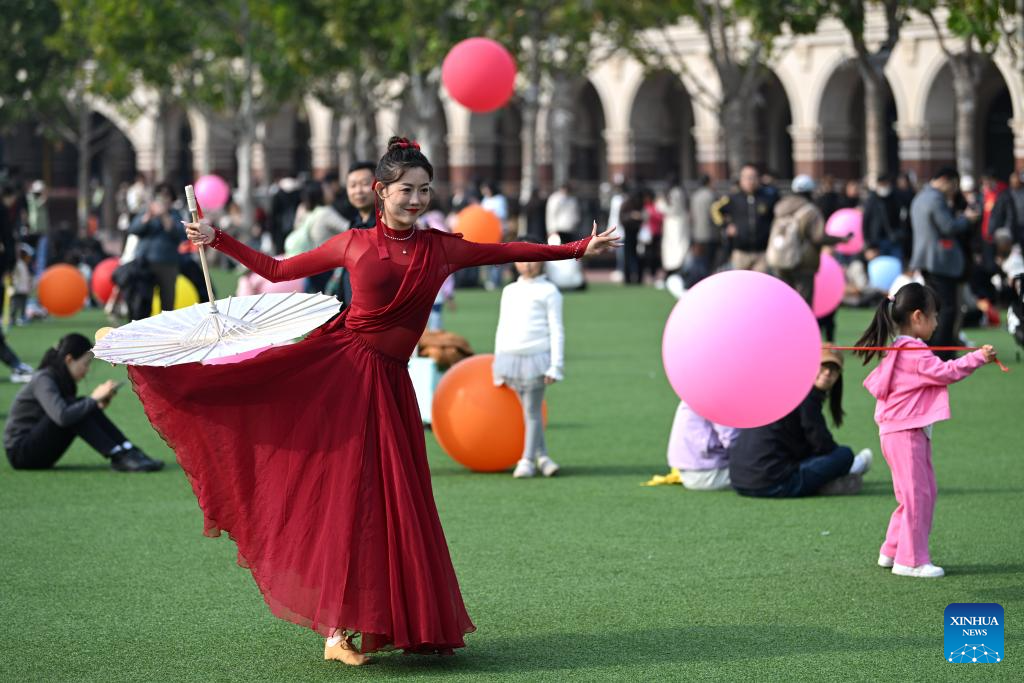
x,y
311,456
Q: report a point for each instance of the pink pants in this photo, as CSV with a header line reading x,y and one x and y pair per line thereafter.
x,y
909,455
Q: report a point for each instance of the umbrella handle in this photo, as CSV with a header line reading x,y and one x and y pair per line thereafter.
x,y
206,268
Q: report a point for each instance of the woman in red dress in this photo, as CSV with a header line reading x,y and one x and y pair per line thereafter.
x,y
311,456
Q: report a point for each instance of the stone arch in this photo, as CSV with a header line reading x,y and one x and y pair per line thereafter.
x,y
841,123
178,148
993,136
436,148
287,149
771,119
588,165
662,121
496,138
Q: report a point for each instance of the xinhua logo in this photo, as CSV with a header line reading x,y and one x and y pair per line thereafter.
x,y
973,633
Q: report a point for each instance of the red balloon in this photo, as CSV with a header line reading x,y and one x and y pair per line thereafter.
x,y
479,74
62,290
477,224
103,279
476,423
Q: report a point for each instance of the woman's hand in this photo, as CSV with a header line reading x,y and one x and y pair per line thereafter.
x,y
549,380
605,242
104,392
198,233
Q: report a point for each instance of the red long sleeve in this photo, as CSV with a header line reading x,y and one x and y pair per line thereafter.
x,y
329,255
463,254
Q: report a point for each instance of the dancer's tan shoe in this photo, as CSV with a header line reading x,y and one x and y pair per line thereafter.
x,y
344,651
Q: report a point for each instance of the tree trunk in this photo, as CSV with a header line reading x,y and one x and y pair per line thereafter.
x,y
161,165
965,87
247,127
530,108
733,117
84,156
243,153
561,130
876,159
426,130
364,141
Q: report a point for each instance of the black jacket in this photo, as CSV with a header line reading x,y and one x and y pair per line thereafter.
x,y
769,455
41,398
877,224
751,214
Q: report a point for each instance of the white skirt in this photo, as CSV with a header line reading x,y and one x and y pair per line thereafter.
x,y
520,367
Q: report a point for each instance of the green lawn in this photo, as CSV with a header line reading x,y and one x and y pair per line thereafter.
x,y
587,576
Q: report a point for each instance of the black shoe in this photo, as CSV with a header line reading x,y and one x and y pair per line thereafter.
x,y
134,460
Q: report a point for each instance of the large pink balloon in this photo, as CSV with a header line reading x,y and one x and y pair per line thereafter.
x,y
844,222
212,192
829,283
479,74
741,348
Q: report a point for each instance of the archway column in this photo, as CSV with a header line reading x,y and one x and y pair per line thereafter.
x,y
925,147
707,135
323,137
1017,126
621,148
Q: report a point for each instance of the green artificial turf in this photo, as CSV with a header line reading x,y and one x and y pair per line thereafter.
x,y
587,576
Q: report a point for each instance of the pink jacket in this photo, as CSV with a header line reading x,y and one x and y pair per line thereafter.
x,y
910,386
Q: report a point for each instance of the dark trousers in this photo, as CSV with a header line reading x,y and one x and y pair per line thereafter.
x,y
631,264
652,257
813,473
800,280
41,448
948,331
166,276
7,355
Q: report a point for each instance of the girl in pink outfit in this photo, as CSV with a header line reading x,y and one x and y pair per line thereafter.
x,y
910,387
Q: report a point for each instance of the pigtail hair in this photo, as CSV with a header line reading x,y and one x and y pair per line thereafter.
x,y
879,331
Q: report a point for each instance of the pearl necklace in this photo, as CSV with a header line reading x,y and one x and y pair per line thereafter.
x,y
412,233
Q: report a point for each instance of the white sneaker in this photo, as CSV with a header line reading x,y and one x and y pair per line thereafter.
x,y
924,571
885,561
19,377
862,462
524,469
548,467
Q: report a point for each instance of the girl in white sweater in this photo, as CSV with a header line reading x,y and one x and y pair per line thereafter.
x,y
528,356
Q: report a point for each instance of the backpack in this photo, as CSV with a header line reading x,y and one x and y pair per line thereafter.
x,y
787,242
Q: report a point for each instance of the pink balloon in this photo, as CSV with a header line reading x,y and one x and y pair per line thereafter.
x,y
212,192
842,223
479,74
829,283
236,358
741,348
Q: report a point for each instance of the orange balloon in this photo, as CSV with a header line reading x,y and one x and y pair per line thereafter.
x,y
477,224
62,290
478,425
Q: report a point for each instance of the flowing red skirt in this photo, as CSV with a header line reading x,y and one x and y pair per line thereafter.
x,y
312,458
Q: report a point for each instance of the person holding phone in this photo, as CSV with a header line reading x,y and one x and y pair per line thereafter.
x,y
160,232
47,415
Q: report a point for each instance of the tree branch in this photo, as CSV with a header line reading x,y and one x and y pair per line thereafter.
x,y
938,34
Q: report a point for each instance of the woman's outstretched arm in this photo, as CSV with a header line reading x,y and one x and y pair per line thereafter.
x,y
329,255
463,254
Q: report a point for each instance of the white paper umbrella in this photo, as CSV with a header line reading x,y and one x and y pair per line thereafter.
x,y
215,329
204,332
